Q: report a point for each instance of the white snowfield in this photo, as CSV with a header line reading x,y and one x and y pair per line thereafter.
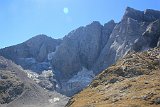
x,y
80,80
84,76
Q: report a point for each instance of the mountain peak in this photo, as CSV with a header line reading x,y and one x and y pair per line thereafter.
x,y
95,23
39,39
148,15
151,15
111,22
40,36
131,9
133,13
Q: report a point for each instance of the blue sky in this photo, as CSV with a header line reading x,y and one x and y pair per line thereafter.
x,y
23,19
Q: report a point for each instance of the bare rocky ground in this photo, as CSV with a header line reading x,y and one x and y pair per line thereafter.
x,y
133,81
17,90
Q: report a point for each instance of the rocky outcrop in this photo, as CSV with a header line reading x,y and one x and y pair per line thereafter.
x,y
10,87
149,38
132,81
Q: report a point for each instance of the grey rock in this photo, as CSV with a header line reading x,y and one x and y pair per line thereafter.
x,y
149,38
32,53
157,100
130,34
81,47
148,15
106,31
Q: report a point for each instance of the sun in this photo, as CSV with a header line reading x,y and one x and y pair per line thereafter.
x,y
65,10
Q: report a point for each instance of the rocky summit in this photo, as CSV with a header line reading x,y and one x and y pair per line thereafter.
x,y
69,64
132,82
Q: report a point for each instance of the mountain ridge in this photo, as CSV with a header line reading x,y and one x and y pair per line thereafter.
x,y
91,48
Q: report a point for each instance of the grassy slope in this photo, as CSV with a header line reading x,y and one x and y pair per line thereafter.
x,y
133,81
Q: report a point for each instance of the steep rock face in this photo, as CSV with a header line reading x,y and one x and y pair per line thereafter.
x,y
132,81
81,47
116,41
136,31
149,38
106,31
33,53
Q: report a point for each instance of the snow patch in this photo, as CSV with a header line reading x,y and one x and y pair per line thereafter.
x,y
50,55
83,76
34,76
56,99
47,73
81,80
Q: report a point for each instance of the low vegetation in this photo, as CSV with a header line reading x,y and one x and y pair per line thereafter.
x,y
132,82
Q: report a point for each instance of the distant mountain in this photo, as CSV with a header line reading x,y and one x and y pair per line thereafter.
x,y
132,82
86,51
33,53
18,90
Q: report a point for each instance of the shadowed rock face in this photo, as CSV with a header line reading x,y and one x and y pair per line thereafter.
x,y
149,38
81,47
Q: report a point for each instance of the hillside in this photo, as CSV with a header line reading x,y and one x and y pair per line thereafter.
x,y
132,82
17,90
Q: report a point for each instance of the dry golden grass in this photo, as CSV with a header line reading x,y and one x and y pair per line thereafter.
x,y
133,81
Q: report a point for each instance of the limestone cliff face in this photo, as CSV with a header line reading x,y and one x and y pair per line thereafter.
x,y
81,47
138,30
96,47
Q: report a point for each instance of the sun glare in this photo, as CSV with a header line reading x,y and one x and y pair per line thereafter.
x,y
65,10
